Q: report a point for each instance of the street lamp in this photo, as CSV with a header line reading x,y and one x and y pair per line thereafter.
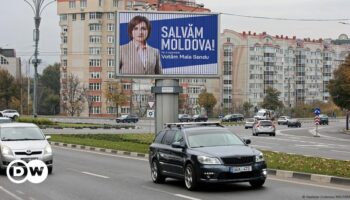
x,y
37,6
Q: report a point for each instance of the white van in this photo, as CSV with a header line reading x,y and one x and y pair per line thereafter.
x,y
265,114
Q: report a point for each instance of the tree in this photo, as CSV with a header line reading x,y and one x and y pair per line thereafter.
x,y
271,101
74,96
9,89
115,95
50,90
207,101
339,87
246,108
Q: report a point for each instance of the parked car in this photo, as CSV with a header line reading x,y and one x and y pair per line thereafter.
x,y
24,141
264,127
204,153
249,123
13,114
233,118
323,119
200,118
184,118
127,119
283,120
5,120
293,123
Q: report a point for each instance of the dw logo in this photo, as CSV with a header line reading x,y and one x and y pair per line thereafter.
x,y
35,171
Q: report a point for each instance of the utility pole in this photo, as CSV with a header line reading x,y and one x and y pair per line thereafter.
x,y
37,7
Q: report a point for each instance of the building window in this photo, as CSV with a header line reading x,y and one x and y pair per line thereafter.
x,y
94,86
126,86
95,15
110,39
110,50
74,17
110,63
71,4
83,3
95,98
95,27
94,62
65,40
82,16
95,50
125,110
110,27
95,75
96,110
116,3
110,15
63,17
99,3
64,63
111,74
95,39
65,51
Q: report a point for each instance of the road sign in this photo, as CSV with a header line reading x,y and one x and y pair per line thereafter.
x,y
317,120
317,111
151,103
150,113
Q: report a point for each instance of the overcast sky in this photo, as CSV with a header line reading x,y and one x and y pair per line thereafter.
x,y
16,22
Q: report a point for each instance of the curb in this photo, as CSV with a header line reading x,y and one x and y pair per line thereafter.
x,y
318,178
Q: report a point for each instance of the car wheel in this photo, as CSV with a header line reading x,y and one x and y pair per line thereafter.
x,y
246,127
257,183
50,169
190,178
14,117
156,175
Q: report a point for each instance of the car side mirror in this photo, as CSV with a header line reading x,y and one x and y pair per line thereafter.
x,y
47,137
247,141
177,145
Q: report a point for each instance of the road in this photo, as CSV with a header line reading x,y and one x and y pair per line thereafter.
x,y
83,175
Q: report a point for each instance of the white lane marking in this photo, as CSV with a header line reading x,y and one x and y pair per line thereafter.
x,y
105,154
311,184
10,193
169,193
97,175
186,197
19,192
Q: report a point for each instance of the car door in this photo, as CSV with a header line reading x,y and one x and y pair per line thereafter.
x,y
164,152
178,155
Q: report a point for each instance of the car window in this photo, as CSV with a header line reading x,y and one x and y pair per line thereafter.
x,y
178,137
168,138
212,138
21,133
159,137
265,123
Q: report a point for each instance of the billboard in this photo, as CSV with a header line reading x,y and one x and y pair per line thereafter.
x,y
167,44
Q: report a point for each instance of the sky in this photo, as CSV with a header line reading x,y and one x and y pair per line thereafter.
x,y
17,23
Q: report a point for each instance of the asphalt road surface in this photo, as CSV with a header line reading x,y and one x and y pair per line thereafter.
x,y
84,175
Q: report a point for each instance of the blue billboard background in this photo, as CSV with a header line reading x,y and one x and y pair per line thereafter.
x,y
182,42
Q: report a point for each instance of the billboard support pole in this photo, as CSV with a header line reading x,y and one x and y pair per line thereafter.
x,y
167,102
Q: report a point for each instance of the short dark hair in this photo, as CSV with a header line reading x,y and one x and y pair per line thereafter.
x,y
136,20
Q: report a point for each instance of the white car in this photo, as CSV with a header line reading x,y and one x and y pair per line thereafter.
x,y
249,123
283,120
24,141
13,114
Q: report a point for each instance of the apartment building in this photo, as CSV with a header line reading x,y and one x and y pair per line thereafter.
x,y
10,62
299,68
88,50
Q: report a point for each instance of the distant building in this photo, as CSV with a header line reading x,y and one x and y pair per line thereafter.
x,y
10,62
299,68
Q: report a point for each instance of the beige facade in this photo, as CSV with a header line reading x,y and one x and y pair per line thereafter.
x,y
299,68
10,62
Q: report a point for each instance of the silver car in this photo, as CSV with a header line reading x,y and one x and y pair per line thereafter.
x,y
264,127
23,141
249,123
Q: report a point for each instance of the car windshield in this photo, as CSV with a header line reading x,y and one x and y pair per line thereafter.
x,y
212,138
260,113
21,133
227,116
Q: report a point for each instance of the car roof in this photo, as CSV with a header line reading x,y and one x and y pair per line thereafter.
x,y
17,125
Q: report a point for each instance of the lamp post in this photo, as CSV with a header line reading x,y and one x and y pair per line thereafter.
x,y
37,6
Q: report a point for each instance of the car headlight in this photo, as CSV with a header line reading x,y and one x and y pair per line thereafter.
x,y
48,149
208,160
6,151
259,158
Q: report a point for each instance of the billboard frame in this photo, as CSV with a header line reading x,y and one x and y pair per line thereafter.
x,y
164,76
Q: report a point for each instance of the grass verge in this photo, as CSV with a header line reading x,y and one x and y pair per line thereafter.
x,y
282,161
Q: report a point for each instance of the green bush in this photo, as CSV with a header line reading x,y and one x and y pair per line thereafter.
x,y
37,121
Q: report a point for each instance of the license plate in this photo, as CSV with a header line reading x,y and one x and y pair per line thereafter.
x,y
241,169
28,159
